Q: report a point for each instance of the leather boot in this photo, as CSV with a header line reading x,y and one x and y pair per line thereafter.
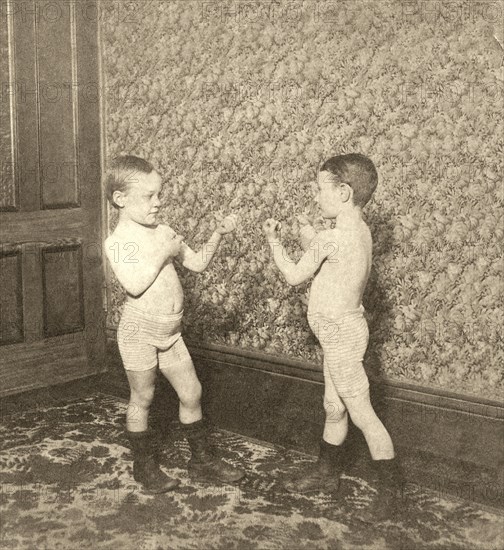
x,y
146,468
390,499
322,475
204,465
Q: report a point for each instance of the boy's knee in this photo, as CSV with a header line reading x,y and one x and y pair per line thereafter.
x,y
142,398
364,420
358,419
335,412
191,396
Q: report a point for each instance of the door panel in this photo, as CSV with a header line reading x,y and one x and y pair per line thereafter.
x,y
51,309
11,297
57,101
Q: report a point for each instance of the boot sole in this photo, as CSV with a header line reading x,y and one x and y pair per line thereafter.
x,y
162,490
201,478
168,486
328,488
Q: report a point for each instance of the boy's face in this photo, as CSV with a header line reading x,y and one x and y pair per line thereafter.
x,y
328,196
140,203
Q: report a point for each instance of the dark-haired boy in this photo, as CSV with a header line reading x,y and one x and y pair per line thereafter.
x,y
340,259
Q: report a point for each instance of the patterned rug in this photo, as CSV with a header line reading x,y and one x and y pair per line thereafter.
x,y
67,483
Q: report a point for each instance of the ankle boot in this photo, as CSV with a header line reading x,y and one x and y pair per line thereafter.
x,y
390,497
322,475
146,468
204,465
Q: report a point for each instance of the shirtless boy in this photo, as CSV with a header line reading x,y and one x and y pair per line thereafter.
x,y
340,259
141,252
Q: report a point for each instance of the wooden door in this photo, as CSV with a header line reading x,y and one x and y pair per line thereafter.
x,y
51,279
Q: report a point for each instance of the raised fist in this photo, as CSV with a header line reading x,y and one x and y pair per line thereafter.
x,y
271,228
227,225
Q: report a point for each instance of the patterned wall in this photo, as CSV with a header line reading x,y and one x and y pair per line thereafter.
x,y
238,103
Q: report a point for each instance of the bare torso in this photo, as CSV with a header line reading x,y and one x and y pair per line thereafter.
x,y
340,282
165,295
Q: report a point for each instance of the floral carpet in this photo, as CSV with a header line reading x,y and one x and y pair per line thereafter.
x,y
67,483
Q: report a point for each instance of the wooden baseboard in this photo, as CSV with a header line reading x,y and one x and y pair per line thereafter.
x,y
308,371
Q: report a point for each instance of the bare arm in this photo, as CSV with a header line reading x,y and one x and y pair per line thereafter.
x,y
198,261
307,231
297,273
306,234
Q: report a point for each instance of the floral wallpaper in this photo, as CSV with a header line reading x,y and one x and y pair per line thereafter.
x,y
237,104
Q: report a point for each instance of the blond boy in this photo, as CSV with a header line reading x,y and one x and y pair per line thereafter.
x,y
141,253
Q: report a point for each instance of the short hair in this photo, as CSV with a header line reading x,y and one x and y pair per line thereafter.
x,y
357,171
121,172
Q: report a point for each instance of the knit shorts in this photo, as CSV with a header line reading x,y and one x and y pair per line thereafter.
x,y
344,341
146,339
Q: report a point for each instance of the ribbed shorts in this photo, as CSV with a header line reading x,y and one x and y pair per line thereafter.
x,y
344,341
146,340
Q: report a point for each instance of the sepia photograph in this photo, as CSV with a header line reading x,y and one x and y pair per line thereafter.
x,y
251,274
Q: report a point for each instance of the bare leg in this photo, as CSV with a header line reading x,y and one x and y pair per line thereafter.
x,y
142,392
324,474
203,465
364,417
336,422
389,500
184,380
143,443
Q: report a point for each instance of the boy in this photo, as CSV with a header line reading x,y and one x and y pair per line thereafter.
x,y
340,259
141,253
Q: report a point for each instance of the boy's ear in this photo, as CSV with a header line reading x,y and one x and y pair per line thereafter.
x,y
118,198
346,192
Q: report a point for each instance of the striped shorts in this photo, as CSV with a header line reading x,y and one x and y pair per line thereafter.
x,y
146,339
344,341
